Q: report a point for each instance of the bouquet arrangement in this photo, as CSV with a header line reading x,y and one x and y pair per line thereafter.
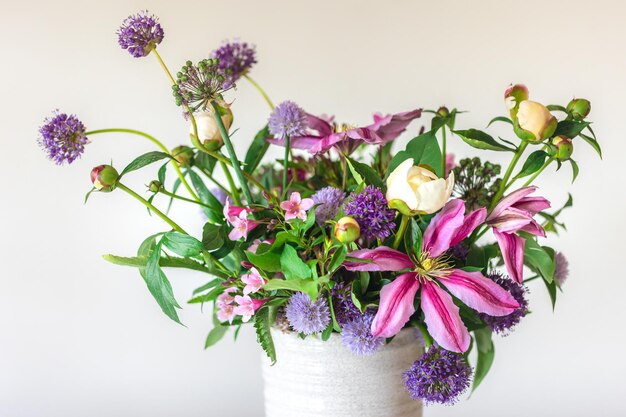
x,y
344,234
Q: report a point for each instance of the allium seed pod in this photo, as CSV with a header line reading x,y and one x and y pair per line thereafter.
x,y
104,178
579,108
564,148
347,230
183,155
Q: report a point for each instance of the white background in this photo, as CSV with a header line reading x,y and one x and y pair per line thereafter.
x,y
80,337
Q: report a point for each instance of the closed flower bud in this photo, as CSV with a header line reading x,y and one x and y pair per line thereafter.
x,y
208,131
579,108
443,111
535,120
183,155
513,96
155,186
347,230
564,148
104,178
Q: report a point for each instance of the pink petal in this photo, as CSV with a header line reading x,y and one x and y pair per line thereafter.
x,y
479,293
510,200
512,248
511,220
294,198
533,204
443,319
382,258
306,203
534,228
390,127
322,126
470,222
443,228
396,305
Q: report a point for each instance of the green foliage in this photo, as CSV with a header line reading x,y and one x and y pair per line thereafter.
x,y
264,336
215,208
216,334
181,244
257,150
308,286
413,238
268,261
365,173
533,164
156,281
481,140
292,266
424,150
141,261
539,260
500,119
570,128
213,236
143,160
337,259
592,141
486,353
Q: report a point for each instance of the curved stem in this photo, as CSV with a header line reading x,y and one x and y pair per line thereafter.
x,y
507,175
403,225
227,161
286,166
151,207
443,151
536,174
214,181
231,183
176,196
260,90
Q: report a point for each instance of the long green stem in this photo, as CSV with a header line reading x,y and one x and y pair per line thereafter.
x,y
214,181
151,207
260,90
231,153
443,150
401,230
507,175
536,174
286,165
178,197
159,144
233,187
227,161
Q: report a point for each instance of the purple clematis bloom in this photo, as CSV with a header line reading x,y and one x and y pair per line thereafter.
x,y
328,134
513,213
428,273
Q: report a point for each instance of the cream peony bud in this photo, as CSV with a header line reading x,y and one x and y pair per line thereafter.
x,y
104,178
416,190
347,230
535,118
208,131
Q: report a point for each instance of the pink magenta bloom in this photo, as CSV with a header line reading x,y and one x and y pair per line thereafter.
x,y
246,307
328,134
253,280
296,207
429,273
238,218
513,213
450,164
225,307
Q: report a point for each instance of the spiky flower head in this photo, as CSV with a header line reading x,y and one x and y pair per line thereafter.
x,y
357,336
343,307
287,119
439,376
235,60
475,182
561,268
504,324
140,33
369,208
307,316
197,85
328,200
63,137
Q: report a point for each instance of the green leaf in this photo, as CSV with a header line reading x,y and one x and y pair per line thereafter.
x,y
263,335
158,284
215,335
141,262
297,285
292,266
594,143
211,284
337,259
257,150
539,260
533,164
423,149
570,128
181,244
143,160
370,176
486,353
556,107
500,119
575,169
210,296
89,194
480,140
162,172
214,212
551,287
269,261
413,238
213,236
205,162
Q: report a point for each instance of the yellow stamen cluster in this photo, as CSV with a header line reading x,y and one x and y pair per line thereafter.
x,y
427,267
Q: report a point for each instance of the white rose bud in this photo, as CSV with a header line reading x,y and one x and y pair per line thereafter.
x,y
416,190
535,118
208,132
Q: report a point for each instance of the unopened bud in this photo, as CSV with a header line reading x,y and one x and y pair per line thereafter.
x,y
104,178
536,120
208,130
443,111
564,148
579,108
513,96
155,186
183,155
347,230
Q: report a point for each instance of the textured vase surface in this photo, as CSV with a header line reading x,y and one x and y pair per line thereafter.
x,y
313,378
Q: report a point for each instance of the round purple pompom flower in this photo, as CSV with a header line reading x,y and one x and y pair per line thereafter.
x,y
140,33
561,268
504,324
369,208
343,307
357,336
235,60
306,316
287,119
329,200
439,376
63,137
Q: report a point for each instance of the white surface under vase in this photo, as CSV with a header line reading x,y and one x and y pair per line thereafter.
x,y
312,378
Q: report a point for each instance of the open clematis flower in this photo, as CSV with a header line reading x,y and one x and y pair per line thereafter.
x,y
429,271
253,280
238,218
296,207
345,138
513,213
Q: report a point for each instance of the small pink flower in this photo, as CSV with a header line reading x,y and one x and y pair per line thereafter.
x,y
225,308
257,242
253,280
247,307
226,297
296,207
238,218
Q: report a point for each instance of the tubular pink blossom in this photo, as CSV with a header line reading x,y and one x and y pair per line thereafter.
x,y
382,258
512,248
396,305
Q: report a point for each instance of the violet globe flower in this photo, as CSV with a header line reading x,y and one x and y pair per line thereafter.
x,y
343,307
439,376
428,272
140,33
305,315
235,60
561,268
63,137
504,324
329,201
357,335
369,208
287,119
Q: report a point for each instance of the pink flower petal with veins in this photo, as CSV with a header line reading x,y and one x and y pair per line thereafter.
x,y
382,258
396,305
512,248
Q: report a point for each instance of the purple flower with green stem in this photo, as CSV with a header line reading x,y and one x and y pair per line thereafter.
x,y
200,84
140,33
235,60
369,208
63,137
356,335
307,316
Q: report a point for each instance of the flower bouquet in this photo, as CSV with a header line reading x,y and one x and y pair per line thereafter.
x,y
346,238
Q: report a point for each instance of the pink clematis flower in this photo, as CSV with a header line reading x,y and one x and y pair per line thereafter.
x,y
225,307
429,273
513,213
246,307
238,218
296,207
331,135
253,280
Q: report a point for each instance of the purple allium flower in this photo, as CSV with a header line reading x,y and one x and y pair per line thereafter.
x,y
287,119
343,307
504,324
63,137
306,316
329,200
439,376
140,33
369,208
198,85
357,336
561,268
235,60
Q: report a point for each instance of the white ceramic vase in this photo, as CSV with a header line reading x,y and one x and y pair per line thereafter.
x,y
313,378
